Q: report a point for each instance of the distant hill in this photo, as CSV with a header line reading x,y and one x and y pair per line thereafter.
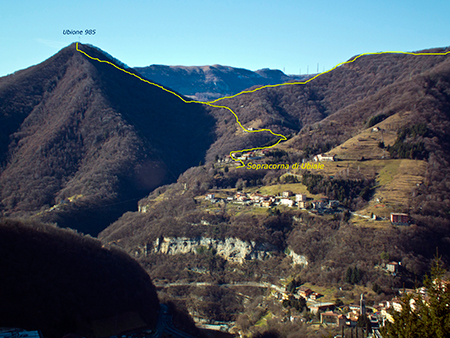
x,y
81,142
60,282
206,83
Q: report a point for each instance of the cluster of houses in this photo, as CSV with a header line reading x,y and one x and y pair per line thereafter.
x,y
330,314
250,155
287,198
302,291
326,310
261,153
396,304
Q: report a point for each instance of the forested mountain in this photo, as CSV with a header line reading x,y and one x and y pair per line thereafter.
x,y
206,83
82,141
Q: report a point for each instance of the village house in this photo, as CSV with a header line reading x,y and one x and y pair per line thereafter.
x,y
267,203
253,157
287,193
322,157
318,204
399,219
209,196
243,157
392,267
321,307
302,205
304,291
286,201
331,318
354,308
395,304
333,204
241,197
315,295
300,198
352,318
288,296
227,159
256,197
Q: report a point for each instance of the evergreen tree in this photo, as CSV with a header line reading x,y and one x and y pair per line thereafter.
x,y
348,275
353,276
357,275
423,316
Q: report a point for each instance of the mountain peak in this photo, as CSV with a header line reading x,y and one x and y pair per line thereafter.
x,y
78,135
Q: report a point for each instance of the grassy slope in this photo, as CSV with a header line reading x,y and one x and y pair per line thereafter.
x,y
396,178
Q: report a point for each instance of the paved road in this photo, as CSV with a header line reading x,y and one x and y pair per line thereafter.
x,y
253,284
165,325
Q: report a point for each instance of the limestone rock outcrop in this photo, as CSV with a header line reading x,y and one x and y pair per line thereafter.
x,y
232,249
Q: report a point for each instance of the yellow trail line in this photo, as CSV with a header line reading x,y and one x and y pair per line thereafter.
x,y
211,103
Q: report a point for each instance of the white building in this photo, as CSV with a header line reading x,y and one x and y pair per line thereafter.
x,y
300,198
322,157
286,201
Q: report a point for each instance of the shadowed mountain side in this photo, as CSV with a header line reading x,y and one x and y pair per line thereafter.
x,y
83,141
60,282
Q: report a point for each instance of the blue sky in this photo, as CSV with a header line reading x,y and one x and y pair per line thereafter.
x,y
249,34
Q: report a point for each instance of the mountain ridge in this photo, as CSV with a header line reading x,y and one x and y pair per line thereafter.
x,y
205,83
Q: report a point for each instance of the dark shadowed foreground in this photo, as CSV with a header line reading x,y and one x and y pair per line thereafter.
x,y
60,282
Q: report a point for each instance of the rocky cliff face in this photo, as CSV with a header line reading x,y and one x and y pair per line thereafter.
x,y
297,259
232,249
